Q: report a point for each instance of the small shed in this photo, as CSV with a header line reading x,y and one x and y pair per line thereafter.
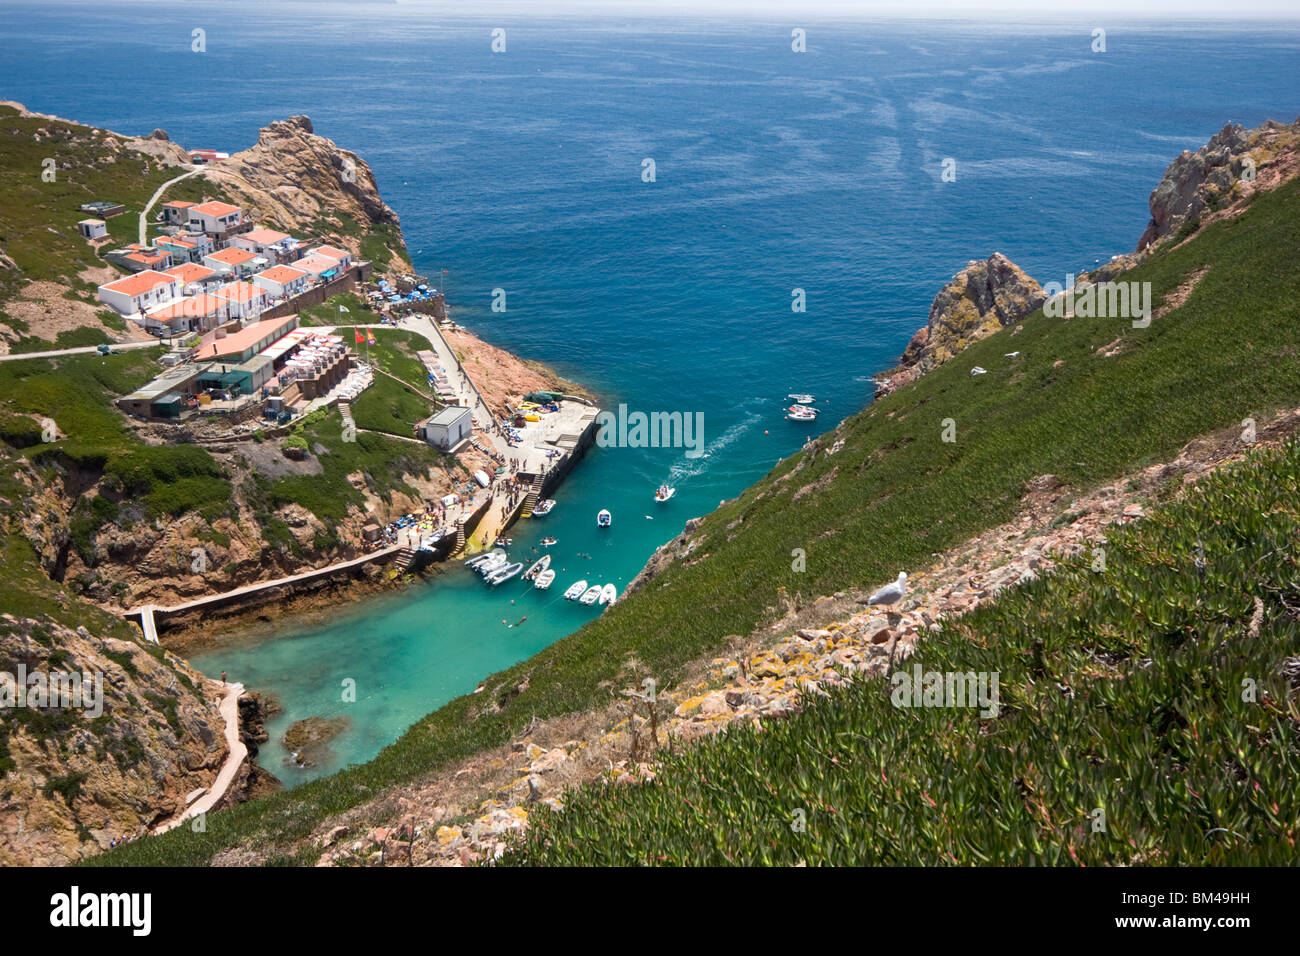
x,y
448,428
93,228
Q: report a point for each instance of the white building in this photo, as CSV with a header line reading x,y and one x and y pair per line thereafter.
x,y
282,281
341,256
93,228
448,428
215,218
140,292
246,300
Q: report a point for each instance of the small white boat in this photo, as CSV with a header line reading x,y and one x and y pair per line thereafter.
x,y
540,565
495,562
543,507
576,590
478,559
481,477
591,595
801,413
608,595
547,541
543,581
664,492
604,519
800,399
503,575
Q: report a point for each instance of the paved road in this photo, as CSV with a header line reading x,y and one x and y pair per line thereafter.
x,y
144,215
226,775
80,350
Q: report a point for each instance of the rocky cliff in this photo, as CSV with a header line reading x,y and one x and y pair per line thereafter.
x,y
1219,178
980,299
80,775
308,186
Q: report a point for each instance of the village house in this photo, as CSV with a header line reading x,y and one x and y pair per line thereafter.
x,y
93,229
195,313
139,293
238,262
247,301
185,248
177,213
217,219
145,257
102,208
282,282
274,246
195,278
341,256
320,268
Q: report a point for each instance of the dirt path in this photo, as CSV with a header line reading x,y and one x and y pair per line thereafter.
x,y
238,753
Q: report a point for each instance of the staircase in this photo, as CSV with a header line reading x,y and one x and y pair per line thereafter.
x,y
345,409
534,493
405,558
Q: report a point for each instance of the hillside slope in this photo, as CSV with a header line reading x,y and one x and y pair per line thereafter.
x,y
918,472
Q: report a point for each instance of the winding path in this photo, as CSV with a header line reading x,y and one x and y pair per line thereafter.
x,y
144,214
226,775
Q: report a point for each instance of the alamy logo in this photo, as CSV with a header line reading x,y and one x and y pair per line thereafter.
x,y
75,909
653,430
56,689
946,689
1099,300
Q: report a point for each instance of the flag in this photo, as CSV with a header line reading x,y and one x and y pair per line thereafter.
x,y
370,336
343,308
359,335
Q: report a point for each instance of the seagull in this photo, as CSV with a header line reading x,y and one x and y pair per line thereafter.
x,y
890,593
978,371
1012,354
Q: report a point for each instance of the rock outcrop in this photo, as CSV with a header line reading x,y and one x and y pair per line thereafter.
x,y
308,186
88,772
980,299
1221,176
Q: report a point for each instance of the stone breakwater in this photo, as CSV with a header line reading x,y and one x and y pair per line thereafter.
x,y
469,814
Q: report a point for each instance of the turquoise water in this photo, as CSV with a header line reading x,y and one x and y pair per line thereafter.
x,y
775,171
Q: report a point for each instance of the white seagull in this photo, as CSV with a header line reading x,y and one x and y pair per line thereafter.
x,y
891,593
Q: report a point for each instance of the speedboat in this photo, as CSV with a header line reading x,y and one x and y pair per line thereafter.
x,y
543,581
591,595
800,399
540,565
604,519
664,492
477,560
608,594
576,590
801,413
502,575
543,507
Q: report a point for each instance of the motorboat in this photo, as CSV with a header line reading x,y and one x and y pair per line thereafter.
x,y
664,492
479,559
496,560
801,413
800,399
547,541
576,590
543,507
503,575
604,519
544,579
608,594
540,565
591,595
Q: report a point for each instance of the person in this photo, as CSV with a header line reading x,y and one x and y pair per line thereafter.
x,y
223,678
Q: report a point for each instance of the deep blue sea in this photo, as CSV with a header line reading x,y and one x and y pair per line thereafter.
x,y
775,171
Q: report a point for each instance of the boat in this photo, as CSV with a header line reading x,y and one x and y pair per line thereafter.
x,y
576,590
800,399
604,519
591,595
540,565
478,559
801,413
482,478
608,594
543,507
502,575
547,541
495,561
543,581
664,492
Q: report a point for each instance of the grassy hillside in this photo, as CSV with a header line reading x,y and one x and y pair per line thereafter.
x,y
891,498
1164,696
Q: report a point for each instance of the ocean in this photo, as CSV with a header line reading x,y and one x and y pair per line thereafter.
x,y
774,171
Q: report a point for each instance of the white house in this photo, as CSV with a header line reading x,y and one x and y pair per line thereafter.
x,y
275,246
341,256
185,248
282,281
193,313
93,228
239,262
177,213
215,218
140,292
317,266
194,277
246,300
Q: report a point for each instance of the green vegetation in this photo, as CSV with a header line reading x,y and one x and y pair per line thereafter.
x,y
899,495
388,405
1164,697
327,312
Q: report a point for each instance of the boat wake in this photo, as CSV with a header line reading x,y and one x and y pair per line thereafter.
x,y
691,467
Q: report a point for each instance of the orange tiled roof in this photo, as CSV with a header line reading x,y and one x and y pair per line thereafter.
x,y
139,283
